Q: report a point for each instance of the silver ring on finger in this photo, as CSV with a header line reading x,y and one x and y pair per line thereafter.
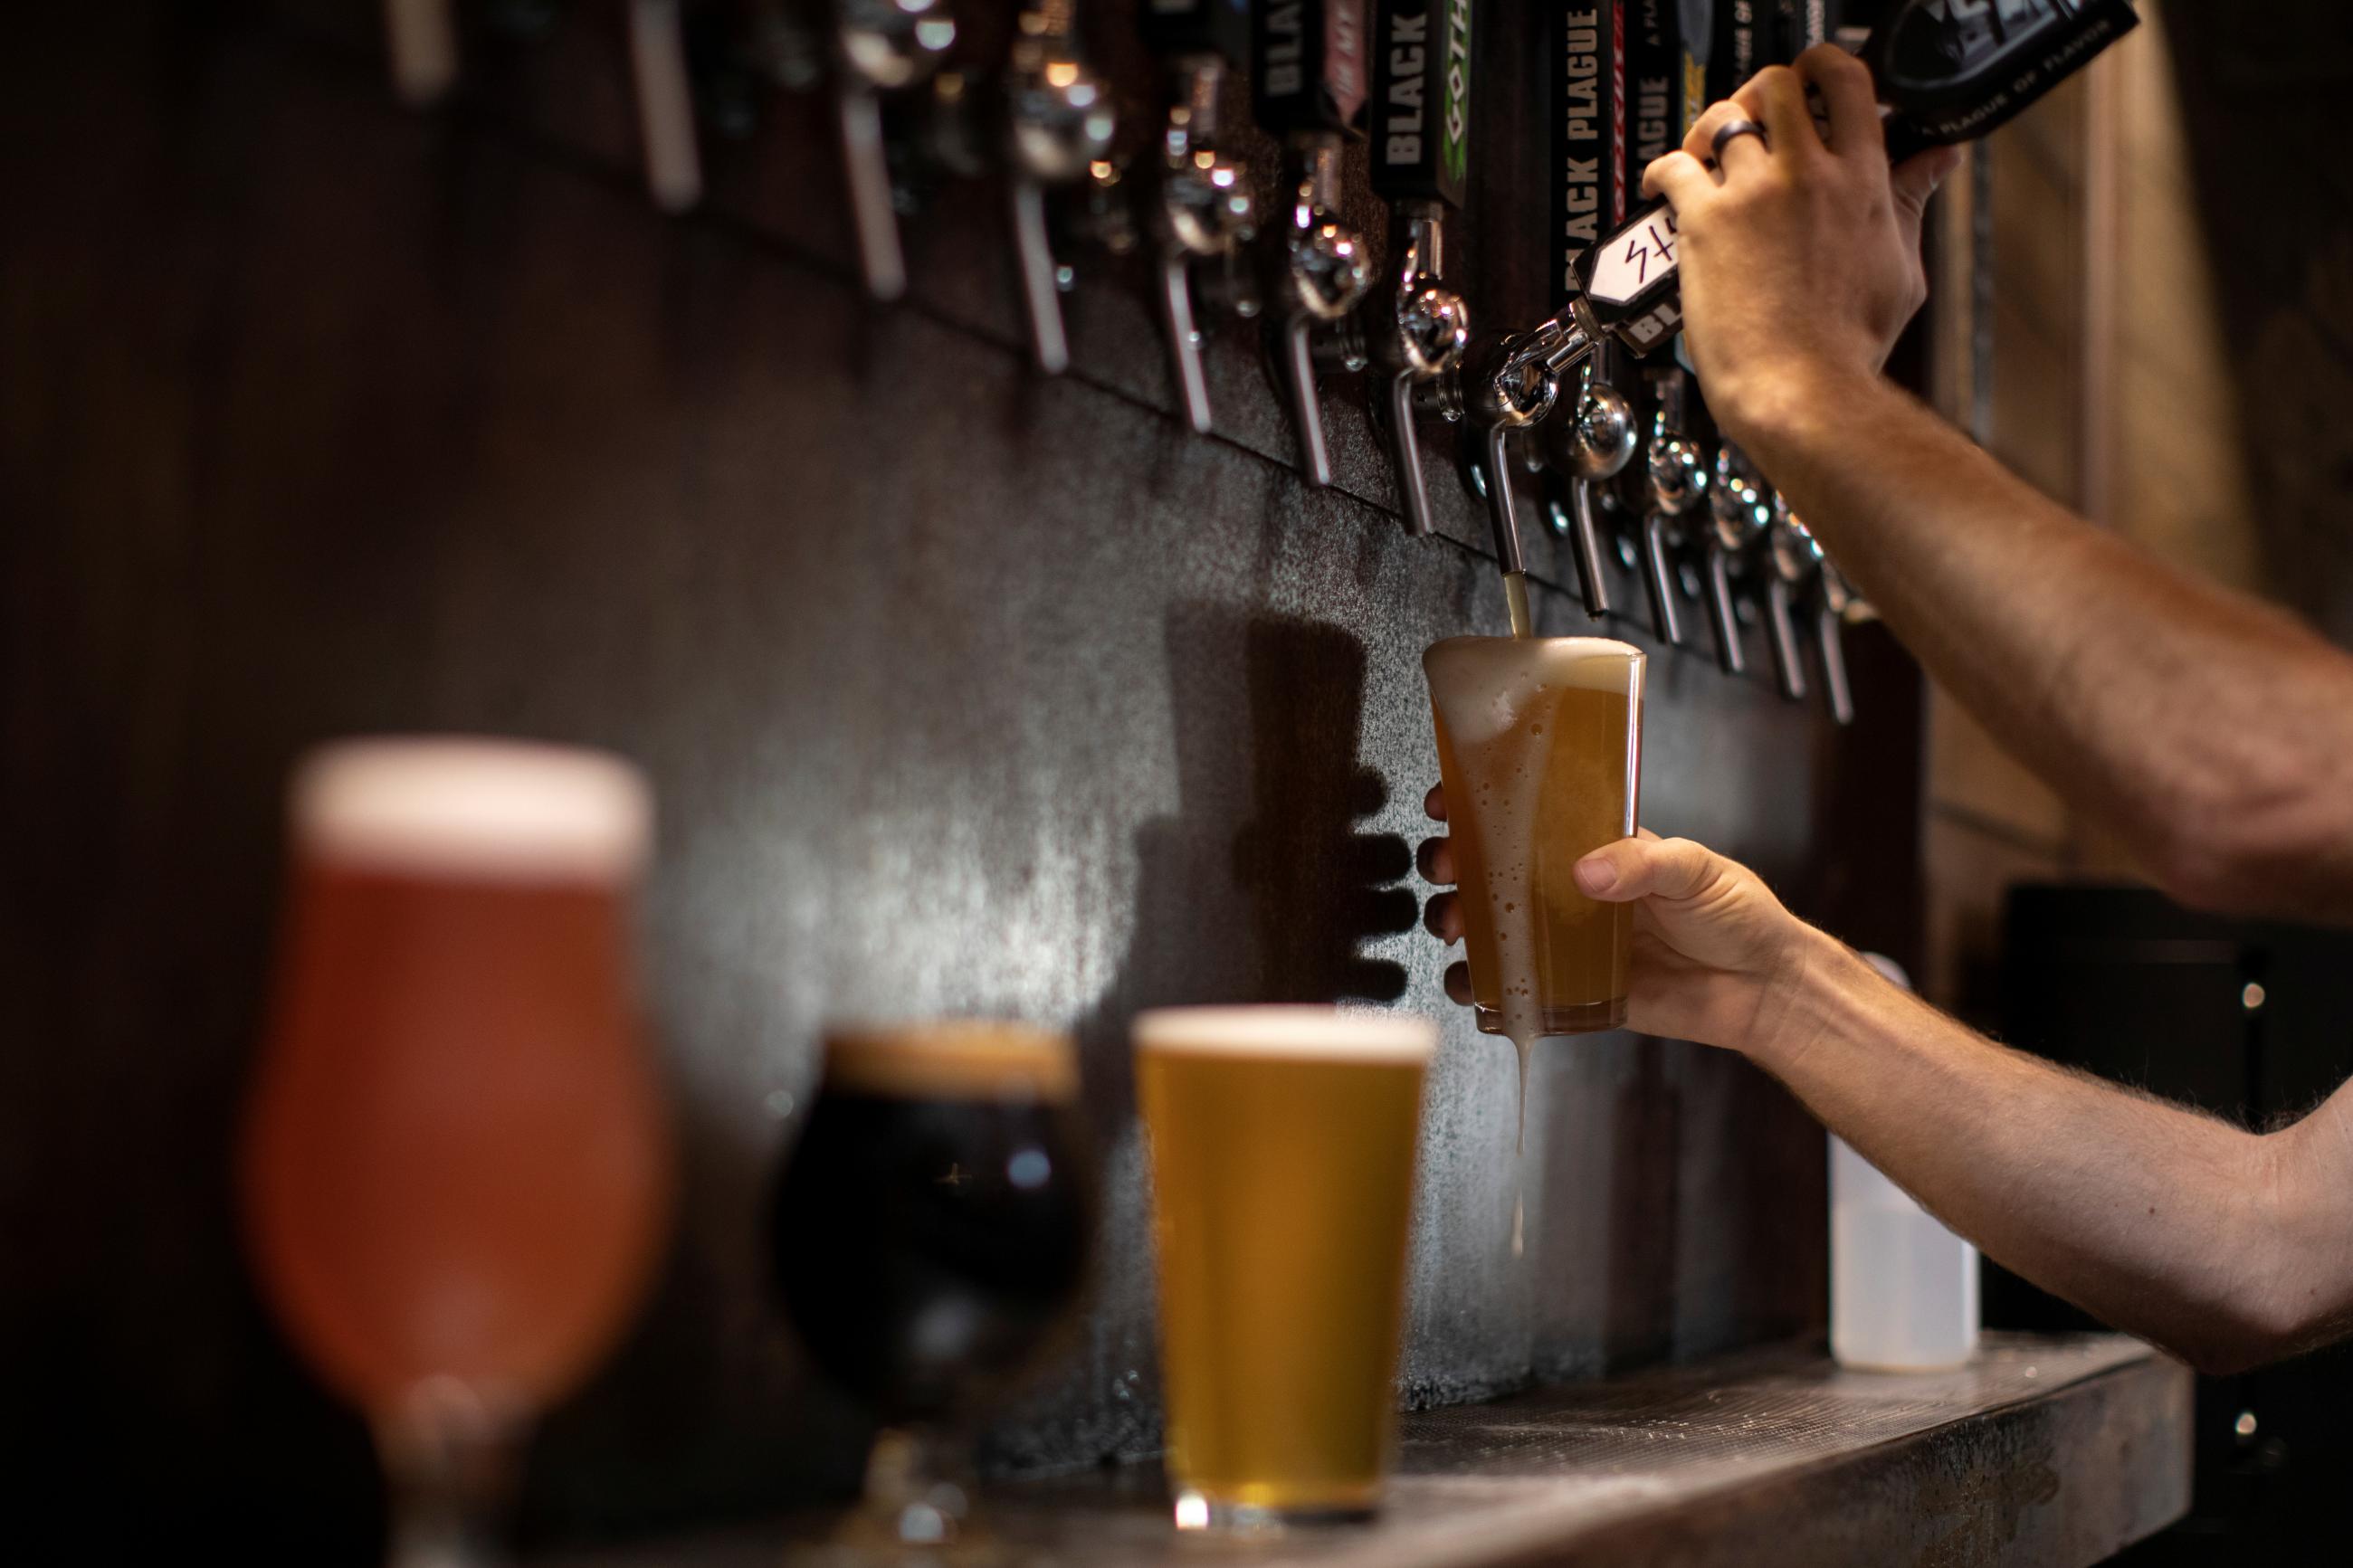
x,y
1733,130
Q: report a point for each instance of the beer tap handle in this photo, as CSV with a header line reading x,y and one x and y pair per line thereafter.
x,y
1295,350
1059,124
1205,207
665,104
1678,483
1833,601
1659,578
1041,278
1583,444
421,36
1405,455
1829,634
866,164
1421,134
1183,332
1511,383
1585,543
1951,73
1307,86
1944,74
1780,617
1786,561
877,51
1420,105
1723,615
1503,514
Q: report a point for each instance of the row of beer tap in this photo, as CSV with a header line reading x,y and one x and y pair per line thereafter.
x,y
1563,409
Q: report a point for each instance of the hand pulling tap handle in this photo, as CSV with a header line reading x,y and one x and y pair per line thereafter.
x,y
880,47
1307,84
1059,120
1419,120
1946,74
1205,211
421,36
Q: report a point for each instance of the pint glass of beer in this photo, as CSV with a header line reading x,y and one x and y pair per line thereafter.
x,y
1540,747
1282,1162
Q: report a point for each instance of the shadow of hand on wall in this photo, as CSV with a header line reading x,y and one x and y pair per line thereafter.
x,y
1262,886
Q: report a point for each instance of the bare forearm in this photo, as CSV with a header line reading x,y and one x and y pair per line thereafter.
x,y
2213,734
2157,1220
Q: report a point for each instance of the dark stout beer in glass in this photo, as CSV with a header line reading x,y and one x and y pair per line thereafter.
x,y
930,1237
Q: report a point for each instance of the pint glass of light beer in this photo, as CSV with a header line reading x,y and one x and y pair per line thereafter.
x,y
1540,746
1282,1160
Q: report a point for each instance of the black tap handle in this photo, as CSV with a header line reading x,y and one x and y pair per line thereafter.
x,y
1797,26
1744,43
1951,73
1587,112
1307,65
1666,79
1419,113
1175,29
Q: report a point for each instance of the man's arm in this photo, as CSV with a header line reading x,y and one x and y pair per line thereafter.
x,y
2213,734
2228,1247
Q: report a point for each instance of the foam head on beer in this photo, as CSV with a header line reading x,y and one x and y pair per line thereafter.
x,y
455,1101
461,805
1539,745
952,1060
1302,1033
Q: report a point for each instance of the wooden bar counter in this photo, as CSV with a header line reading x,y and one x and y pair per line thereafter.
x,y
2044,1453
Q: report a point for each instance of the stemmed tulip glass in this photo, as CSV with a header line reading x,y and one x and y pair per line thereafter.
x,y
930,1237
456,1164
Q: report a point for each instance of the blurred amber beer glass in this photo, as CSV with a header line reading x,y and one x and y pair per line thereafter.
x,y
455,1160
1540,747
1282,1162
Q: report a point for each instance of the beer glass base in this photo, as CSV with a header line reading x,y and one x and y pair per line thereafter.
x,y
1198,1510
1577,1018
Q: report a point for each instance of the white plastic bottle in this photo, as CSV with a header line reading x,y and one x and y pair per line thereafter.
x,y
1903,1289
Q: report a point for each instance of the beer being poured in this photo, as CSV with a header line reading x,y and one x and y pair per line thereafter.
x,y
1539,745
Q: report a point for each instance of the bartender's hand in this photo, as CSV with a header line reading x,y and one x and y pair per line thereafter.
x,y
1800,261
1717,959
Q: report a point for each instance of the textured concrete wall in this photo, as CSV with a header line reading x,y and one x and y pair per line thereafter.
x,y
961,691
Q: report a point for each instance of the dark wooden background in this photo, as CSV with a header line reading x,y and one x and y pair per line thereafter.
x,y
962,690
